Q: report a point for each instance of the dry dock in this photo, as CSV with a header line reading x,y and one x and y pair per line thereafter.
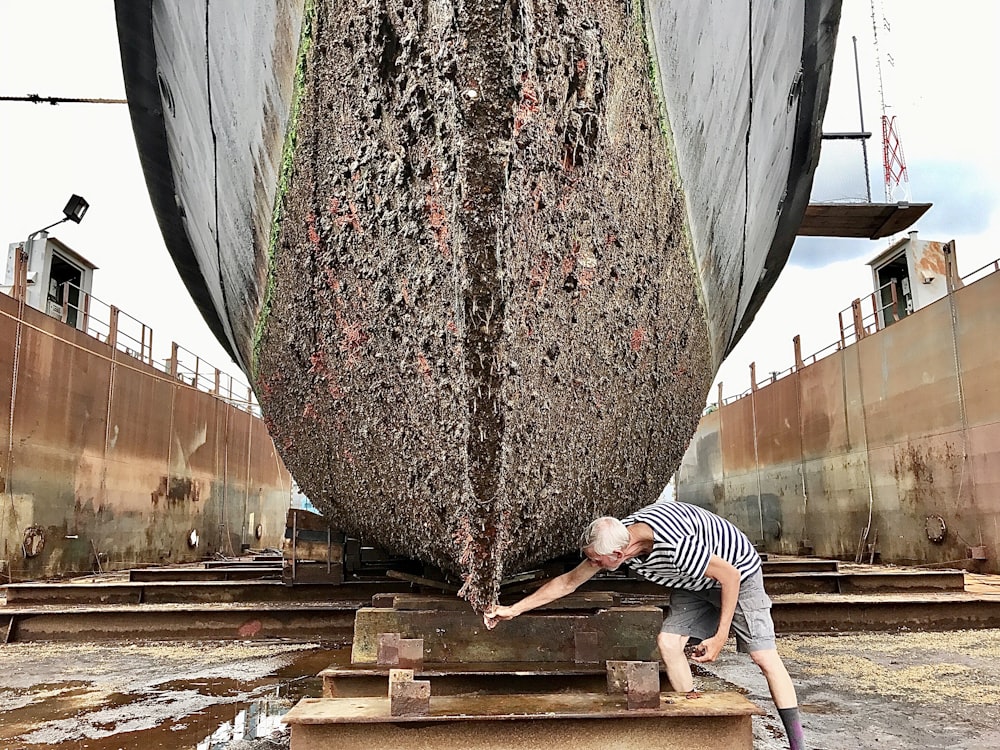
x,y
883,668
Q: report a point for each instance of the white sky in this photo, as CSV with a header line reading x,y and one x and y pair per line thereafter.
x,y
943,91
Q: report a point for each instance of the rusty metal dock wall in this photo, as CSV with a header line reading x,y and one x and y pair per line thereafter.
x,y
107,462
889,445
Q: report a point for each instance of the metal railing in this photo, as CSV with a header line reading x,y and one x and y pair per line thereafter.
x,y
188,367
989,268
867,316
130,336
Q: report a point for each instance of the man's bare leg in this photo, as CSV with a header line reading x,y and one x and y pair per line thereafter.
x,y
671,648
782,693
778,681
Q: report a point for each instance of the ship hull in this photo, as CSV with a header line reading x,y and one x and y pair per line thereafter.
x,y
509,243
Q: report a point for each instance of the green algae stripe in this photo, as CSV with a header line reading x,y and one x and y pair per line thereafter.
x,y
284,178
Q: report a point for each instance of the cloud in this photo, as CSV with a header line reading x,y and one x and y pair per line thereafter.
x,y
964,197
819,252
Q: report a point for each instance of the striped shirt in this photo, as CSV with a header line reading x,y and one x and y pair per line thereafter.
x,y
684,538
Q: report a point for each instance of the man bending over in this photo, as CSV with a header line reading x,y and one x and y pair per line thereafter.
x,y
715,576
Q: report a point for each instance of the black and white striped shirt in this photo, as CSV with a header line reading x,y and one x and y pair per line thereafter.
x,y
684,538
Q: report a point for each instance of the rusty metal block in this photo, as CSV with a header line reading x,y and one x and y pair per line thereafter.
x,y
386,600
410,653
388,648
643,688
588,647
617,672
638,680
409,697
399,675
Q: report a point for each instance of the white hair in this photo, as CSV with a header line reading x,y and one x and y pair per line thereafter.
x,y
605,535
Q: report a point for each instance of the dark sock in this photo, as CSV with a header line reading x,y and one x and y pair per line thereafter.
x,y
793,727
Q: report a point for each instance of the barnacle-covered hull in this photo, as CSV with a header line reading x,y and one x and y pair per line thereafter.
x,y
481,260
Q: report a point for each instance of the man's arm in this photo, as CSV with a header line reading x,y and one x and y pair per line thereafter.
x,y
729,577
557,588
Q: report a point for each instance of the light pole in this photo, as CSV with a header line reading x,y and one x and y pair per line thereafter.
x,y
76,208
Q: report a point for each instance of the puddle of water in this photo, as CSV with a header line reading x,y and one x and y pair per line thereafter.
x,y
153,711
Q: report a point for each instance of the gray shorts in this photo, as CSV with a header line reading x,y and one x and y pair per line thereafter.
x,y
696,614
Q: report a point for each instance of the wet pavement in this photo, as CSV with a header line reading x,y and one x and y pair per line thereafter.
x,y
207,696
860,690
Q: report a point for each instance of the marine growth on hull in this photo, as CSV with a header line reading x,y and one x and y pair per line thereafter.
x,y
483,326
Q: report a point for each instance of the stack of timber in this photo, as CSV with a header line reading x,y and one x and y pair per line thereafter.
x,y
425,672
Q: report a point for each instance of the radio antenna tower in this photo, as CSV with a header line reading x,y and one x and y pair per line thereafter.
x,y
897,181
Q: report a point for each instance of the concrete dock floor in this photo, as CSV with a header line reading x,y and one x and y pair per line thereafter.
x,y
888,690
860,690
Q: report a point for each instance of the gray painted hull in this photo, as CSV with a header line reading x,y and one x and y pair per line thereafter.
x,y
527,187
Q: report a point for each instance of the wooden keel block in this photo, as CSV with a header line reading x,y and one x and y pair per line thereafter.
x,y
588,647
410,653
388,649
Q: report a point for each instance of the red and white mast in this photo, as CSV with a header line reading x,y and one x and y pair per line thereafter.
x,y
897,182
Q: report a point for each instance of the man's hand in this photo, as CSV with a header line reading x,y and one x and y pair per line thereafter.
x,y
556,588
496,614
709,649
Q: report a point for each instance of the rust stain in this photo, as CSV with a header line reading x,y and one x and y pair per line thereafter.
x,y
423,367
176,490
436,216
528,104
250,629
638,339
344,216
932,259
313,233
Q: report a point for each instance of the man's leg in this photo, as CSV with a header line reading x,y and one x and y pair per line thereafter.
x,y
692,614
671,648
778,681
755,633
783,694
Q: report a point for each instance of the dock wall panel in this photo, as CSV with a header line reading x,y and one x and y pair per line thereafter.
x,y
868,449
109,463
